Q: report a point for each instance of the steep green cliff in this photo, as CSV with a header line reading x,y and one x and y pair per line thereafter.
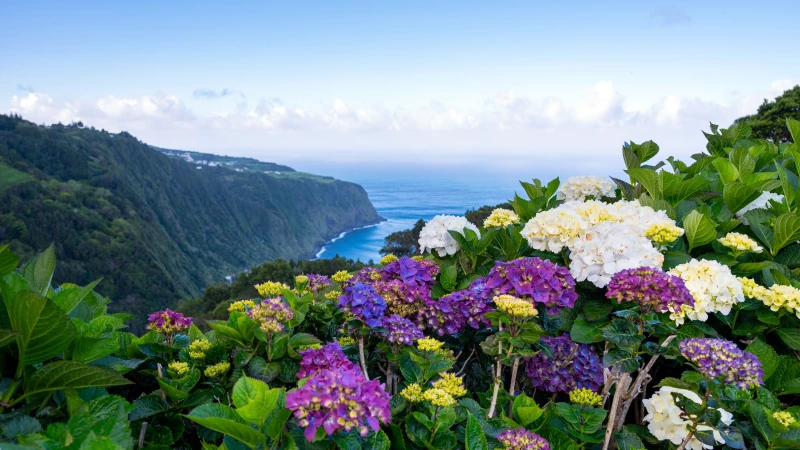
x,y
155,227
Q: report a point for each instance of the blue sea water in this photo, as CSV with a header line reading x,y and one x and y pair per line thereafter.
x,y
404,201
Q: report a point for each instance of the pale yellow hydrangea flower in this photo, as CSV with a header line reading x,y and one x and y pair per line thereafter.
x,y
179,367
341,276
515,307
388,259
663,233
740,243
198,348
241,306
412,393
429,345
417,257
439,397
752,289
270,289
586,397
217,369
784,417
787,297
501,218
375,276
333,295
451,384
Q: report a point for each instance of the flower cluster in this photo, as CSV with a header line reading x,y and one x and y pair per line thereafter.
x,y
740,243
198,348
501,218
168,322
217,370
667,421
776,297
341,276
762,202
541,281
514,307
663,233
242,306
328,357
412,393
713,287
784,417
721,358
652,289
400,330
450,383
345,341
405,285
579,188
388,259
271,314
522,439
333,295
317,283
429,345
554,229
452,313
608,248
179,367
339,400
439,398
585,397
364,303
271,289
572,366
435,234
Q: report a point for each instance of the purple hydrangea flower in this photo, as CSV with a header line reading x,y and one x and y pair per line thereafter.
x,y
168,321
317,283
271,314
522,439
652,288
365,304
401,330
329,357
722,358
339,400
367,275
572,366
533,278
406,286
452,313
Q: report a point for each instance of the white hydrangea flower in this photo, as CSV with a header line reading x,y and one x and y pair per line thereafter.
x,y
713,287
641,217
578,188
608,248
435,236
665,421
554,229
762,202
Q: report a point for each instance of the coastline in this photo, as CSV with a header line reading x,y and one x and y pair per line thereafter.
x,y
320,250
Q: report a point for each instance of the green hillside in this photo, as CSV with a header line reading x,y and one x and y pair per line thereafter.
x,y
154,227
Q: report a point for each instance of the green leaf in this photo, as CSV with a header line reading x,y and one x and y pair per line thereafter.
x,y
526,410
448,277
629,441
223,329
68,298
43,269
727,171
794,129
624,359
699,229
8,261
254,400
737,195
223,419
787,231
45,330
7,337
71,374
791,337
474,438
584,332
766,355
649,179
761,421
147,406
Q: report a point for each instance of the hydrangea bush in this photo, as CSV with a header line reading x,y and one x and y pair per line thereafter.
x,y
659,311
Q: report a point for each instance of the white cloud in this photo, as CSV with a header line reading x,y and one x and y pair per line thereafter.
x,y
600,104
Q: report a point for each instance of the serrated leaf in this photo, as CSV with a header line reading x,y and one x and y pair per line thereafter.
x,y
737,195
44,329
727,171
71,374
699,229
766,355
790,337
254,400
8,261
787,230
585,332
794,129
223,419
474,437
649,179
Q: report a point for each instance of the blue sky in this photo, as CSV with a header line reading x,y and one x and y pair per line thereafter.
x,y
417,83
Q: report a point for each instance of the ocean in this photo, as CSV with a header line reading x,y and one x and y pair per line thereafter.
x,y
404,201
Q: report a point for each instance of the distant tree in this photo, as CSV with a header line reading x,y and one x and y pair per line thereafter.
x,y
770,120
478,216
403,243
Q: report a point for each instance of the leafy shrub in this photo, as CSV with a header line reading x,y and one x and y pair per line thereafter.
x,y
663,314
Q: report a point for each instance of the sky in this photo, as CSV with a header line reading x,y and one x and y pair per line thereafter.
x,y
434,87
